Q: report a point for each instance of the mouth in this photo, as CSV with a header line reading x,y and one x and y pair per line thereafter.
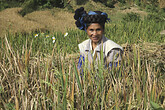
x,y
95,38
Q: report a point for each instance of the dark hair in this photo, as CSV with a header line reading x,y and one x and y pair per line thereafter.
x,y
83,19
98,18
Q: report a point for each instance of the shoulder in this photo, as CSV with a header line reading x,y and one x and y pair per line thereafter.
x,y
83,45
112,46
114,55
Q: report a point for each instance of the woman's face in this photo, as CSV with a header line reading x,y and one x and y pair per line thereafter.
x,y
95,32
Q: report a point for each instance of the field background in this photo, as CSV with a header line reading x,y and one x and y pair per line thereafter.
x,y
38,60
59,19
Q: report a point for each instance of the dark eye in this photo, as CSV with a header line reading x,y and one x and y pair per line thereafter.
x,y
98,29
91,30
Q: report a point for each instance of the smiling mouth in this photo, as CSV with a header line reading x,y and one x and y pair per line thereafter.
x,y
95,38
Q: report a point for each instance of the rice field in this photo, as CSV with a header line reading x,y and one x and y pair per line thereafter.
x,y
38,71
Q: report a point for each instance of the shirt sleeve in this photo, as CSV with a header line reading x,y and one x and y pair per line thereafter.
x,y
114,57
80,62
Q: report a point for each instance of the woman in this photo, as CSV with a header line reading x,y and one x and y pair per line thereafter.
x,y
93,23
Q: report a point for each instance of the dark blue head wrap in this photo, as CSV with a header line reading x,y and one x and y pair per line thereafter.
x,y
80,13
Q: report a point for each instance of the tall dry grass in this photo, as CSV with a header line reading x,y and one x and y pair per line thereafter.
x,y
37,74
37,82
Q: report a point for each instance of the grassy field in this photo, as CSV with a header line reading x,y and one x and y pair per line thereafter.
x,y
39,70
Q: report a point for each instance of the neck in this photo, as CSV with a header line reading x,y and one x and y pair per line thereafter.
x,y
94,45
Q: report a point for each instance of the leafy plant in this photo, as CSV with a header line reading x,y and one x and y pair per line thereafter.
x,y
155,17
33,5
151,8
155,106
109,3
130,17
10,4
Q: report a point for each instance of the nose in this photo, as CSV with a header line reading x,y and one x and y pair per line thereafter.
x,y
94,32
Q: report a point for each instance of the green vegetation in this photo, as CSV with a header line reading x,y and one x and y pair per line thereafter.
x,y
33,5
40,72
131,17
10,3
